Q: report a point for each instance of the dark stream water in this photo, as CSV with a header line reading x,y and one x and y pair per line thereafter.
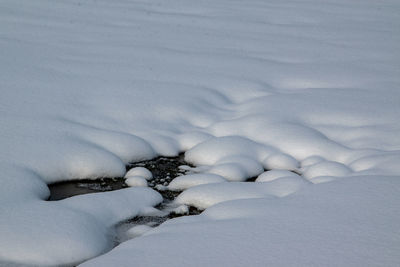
x,y
164,170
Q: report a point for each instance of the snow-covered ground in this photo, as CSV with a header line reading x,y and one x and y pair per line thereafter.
x,y
311,87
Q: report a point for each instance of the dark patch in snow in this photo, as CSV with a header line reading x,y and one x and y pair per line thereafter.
x,y
252,179
151,221
71,188
164,170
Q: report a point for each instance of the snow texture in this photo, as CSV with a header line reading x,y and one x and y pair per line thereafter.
x,y
241,87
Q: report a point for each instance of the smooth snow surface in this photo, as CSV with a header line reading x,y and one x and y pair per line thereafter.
x,y
240,86
323,225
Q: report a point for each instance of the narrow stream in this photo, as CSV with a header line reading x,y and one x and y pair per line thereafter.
x,y
164,170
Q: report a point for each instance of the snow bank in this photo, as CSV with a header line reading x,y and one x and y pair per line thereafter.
x,y
329,224
81,223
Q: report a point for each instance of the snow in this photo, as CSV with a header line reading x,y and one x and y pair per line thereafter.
x,y
275,174
326,168
137,231
239,86
139,171
81,223
216,149
186,181
322,225
191,139
182,209
136,181
248,166
280,161
151,211
311,161
233,157
204,196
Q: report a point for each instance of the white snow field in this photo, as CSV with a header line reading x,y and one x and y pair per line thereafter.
x,y
307,87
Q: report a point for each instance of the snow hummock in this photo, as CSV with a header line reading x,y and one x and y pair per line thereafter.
x,y
136,181
232,157
311,161
275,174
216,149
237,168
326,168
137,230
191,139
151,211
204,196
139,171
280,161
186,181
181,210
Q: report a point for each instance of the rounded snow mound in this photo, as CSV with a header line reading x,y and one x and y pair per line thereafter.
x,y
137,230
139,171
215,149
311,161
186,181
280,161
326,168
128,147
247,167
204,196
269,176
191,139
136,181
